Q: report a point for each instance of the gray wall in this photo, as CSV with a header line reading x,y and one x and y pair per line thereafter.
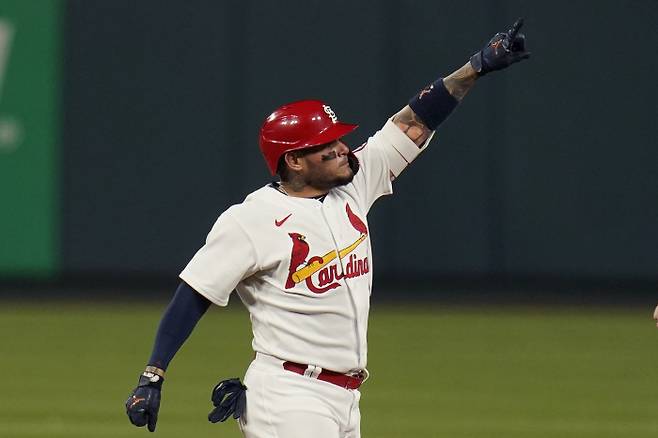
x,y
550,168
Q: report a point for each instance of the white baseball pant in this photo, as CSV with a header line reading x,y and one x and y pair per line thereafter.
x,y
283,404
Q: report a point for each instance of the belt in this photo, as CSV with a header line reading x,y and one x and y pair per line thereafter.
x,y
343,380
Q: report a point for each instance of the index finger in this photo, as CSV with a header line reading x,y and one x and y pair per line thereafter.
x,y
515,29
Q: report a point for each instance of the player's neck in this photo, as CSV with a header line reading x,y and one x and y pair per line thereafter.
x,y
298,190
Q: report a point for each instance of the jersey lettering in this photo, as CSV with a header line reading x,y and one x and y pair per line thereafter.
x,y
328,277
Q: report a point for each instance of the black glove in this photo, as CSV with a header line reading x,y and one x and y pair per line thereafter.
x,y
228,397
143,404
503,50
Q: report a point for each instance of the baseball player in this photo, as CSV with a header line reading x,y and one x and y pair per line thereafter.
x,y
297,252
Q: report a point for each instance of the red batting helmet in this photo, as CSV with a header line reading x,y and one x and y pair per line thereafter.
x,y
299,125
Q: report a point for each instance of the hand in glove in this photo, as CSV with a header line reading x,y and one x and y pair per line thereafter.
x,y
144,402
503,50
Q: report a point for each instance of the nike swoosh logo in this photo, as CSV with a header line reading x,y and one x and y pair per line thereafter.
x,y
279,223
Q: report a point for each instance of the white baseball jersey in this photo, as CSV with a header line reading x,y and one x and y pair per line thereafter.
x,y
302,267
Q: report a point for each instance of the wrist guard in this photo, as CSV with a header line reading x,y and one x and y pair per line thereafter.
x,y
433,104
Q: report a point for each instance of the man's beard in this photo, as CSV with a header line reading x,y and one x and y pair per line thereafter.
x,y
330,184
342,181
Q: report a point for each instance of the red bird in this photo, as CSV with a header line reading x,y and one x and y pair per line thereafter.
x,y
356,222
298,256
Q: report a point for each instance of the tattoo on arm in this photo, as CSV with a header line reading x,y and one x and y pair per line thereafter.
x,y
457,83
410,124
460,81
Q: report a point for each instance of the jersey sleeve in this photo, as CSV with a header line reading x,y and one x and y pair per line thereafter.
x,y
227,258
383,158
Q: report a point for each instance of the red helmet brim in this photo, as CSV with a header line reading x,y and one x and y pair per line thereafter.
x,y
333,132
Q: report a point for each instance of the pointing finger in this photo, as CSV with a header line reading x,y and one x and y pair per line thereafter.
x,y
515,29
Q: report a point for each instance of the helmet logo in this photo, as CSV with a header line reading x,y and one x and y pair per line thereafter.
x,y
330,113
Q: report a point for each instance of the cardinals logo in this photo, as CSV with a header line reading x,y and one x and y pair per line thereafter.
x,y
302,268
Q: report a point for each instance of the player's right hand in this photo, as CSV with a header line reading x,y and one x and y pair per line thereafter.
x,y
503,50
144,402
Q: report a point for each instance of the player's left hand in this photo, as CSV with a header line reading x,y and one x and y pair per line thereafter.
x,y
143,403
655,315
228,397
503,50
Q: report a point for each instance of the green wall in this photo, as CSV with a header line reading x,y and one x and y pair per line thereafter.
x,y
29,130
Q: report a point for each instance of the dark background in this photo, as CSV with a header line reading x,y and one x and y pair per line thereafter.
x,y
546,175
516,266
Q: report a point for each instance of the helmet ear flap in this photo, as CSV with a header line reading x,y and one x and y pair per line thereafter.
x,y
353,162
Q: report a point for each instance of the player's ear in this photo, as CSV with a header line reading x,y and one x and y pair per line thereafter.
x,y
293,161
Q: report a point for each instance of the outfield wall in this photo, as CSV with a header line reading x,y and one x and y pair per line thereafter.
x,y
549,169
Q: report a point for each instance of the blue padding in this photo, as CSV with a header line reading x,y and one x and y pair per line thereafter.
x,y
184,311
433,104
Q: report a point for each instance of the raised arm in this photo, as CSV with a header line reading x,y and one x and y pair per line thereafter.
x,y
432,105
457,84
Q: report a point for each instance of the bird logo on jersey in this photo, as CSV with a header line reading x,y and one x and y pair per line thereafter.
x,y
328,276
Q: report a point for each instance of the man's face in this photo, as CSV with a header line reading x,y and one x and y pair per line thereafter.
x,y
327,166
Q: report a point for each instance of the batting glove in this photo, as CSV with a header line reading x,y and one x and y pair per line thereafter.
x,y
143,404
503,50
228,397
